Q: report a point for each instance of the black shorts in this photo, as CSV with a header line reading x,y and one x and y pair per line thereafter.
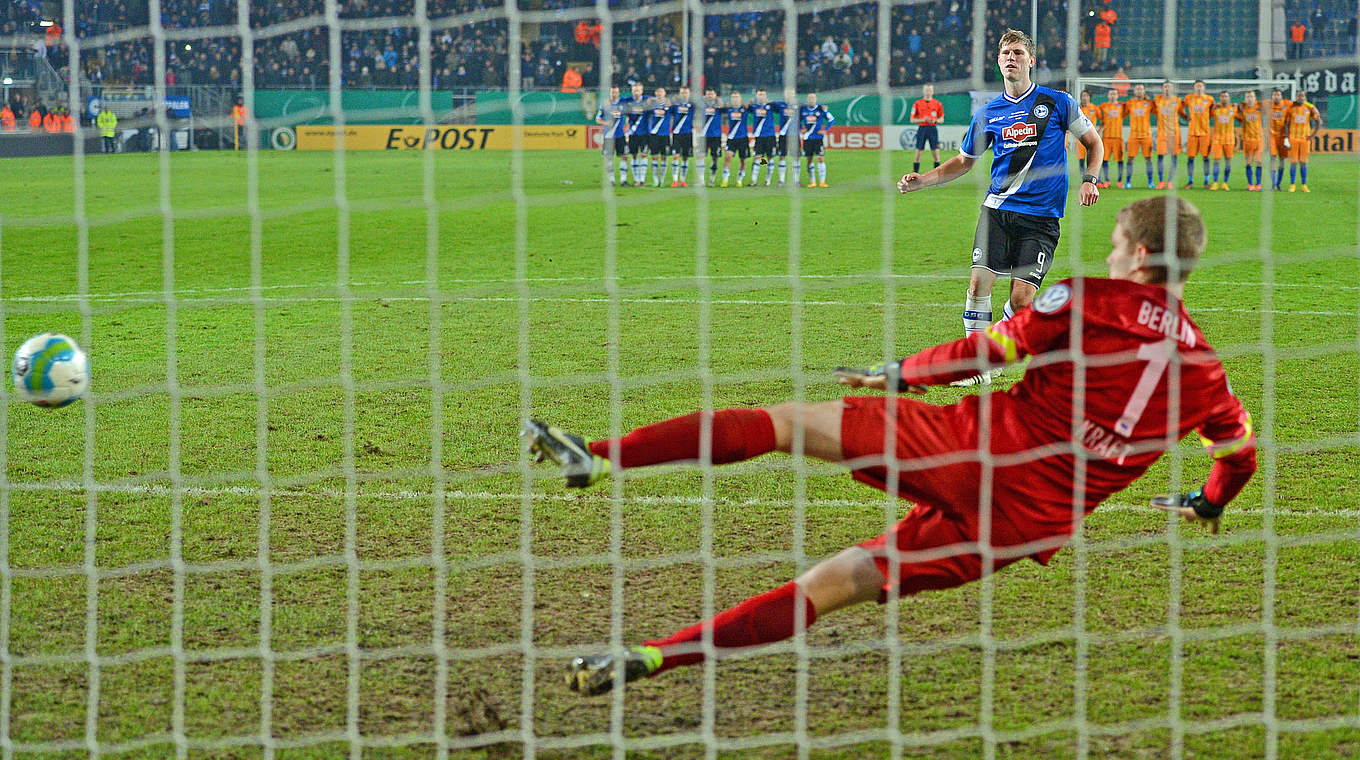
x,y
636,143
813,147
616,145
682,144
765,146
740,146
714,146
927,134
781,145
658,145
1015,245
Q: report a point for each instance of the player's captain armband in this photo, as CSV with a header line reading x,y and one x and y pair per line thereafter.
x,y
1230,446
1004,342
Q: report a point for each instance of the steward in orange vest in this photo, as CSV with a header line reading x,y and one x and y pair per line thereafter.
x,y
7,119
35,121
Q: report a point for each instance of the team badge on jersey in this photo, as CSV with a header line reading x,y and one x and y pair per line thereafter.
x,y
1041,111
1053,299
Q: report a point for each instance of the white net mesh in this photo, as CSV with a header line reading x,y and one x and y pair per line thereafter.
x,y
806,698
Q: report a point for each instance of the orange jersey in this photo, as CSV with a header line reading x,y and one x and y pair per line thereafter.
x,y
1225,123
1140,118
1168,114
1298,116
1250,116
1112,120
1092,112
1277,112
1196,110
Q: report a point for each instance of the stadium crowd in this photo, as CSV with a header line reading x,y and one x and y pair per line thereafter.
x,y
930,41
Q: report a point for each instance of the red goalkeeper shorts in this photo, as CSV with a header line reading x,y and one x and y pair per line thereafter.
x,y
937,541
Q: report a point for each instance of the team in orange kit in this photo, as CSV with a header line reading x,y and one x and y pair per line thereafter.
x,y
1139,110
1092,114
1224,141
1249,114
1112,136
1197,108
1168,106
1303,120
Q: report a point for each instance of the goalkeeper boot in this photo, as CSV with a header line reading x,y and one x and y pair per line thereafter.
x,y
593,675
579,465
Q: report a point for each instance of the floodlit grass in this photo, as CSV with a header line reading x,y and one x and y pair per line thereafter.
x,y
263,376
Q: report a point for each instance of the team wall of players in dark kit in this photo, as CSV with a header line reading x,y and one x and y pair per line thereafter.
x,y
642,131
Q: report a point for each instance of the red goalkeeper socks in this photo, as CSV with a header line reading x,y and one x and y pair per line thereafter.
x,y
759,620
738,434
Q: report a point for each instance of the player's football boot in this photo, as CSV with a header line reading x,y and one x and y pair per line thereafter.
x,y
1151,186
1189,185
684,183
812,184
1223,186
552,444
1303,189
593,675
675,183
1291,187
985,378
1128,184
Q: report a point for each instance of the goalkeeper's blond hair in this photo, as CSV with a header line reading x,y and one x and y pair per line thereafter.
x,y
1160,222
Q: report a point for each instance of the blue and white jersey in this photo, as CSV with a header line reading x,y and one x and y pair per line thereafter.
x,y
737,126
783,113
613,114
814,121
636,111
682,118
763,118
1028,139
659,111
713,119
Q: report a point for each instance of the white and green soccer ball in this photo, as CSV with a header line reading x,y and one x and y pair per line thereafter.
x,y
50,370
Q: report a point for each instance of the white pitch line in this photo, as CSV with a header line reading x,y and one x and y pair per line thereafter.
x,y
119,298
776,279
575,498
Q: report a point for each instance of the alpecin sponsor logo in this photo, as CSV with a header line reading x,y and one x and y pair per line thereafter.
x,y
1019,132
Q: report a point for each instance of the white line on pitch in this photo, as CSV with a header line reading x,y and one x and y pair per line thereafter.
x,y
576,498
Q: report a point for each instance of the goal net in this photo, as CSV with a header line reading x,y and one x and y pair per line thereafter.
x,y
293,517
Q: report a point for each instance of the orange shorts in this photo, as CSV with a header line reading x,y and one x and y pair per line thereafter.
x,y
1197,145
1222,149
1081,149
1140,146
1277,146
1168,143
1114,148
1298,149
1251,148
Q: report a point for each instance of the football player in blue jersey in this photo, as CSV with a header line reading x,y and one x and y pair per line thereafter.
x,y
786,138
714,116
738,139
659,134
814,120
682,138
610,116
636,111
1017,231
764,127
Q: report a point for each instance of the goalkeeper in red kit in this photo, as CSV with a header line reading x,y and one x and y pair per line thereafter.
x,y
1121,373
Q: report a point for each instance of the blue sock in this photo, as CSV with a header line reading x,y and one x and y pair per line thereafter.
x,y
1161,161
1227,172
1303,172
1292,173
1189,167
1006,311
1206,174
1148,165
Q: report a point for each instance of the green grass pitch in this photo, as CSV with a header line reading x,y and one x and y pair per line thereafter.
x,y
1143,639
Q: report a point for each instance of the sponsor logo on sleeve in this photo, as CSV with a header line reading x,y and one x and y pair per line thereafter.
x,y
1052,299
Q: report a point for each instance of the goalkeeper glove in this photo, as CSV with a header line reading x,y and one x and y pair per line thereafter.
x,y
1192,506
880,376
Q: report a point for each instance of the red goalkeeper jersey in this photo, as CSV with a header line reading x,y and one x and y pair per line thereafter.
x,y
1115,385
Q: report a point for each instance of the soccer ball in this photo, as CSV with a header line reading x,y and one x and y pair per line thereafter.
x,y
50,370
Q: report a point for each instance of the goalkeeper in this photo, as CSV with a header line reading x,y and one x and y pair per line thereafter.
x,y
1084,422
